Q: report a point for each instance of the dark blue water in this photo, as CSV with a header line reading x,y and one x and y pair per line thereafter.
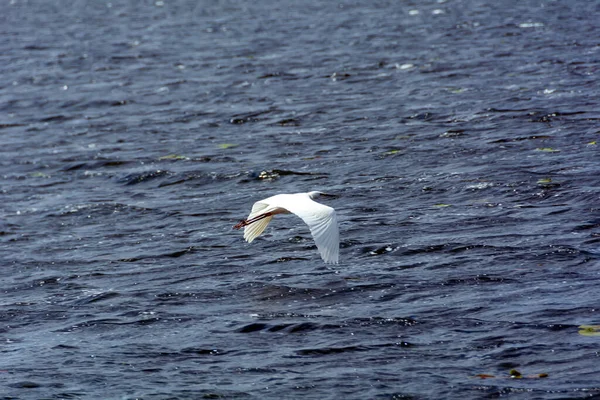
x,y
461,137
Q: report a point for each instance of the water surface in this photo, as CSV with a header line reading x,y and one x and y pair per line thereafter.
x,y
461,138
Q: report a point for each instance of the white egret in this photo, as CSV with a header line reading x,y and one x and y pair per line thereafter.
x,y
321,220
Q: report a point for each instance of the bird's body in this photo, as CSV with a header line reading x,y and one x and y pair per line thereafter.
x,y
321,220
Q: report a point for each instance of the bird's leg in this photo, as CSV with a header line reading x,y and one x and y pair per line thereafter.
x,y
246,222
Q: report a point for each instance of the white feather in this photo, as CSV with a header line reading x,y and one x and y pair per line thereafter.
x,y
321,220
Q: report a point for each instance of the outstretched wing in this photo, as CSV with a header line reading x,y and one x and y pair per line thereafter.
x,y
253,230
323,224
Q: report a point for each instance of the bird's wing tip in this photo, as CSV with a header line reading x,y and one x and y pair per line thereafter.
x,y
330,260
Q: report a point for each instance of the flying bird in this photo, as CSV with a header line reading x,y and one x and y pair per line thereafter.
x,y
321,220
